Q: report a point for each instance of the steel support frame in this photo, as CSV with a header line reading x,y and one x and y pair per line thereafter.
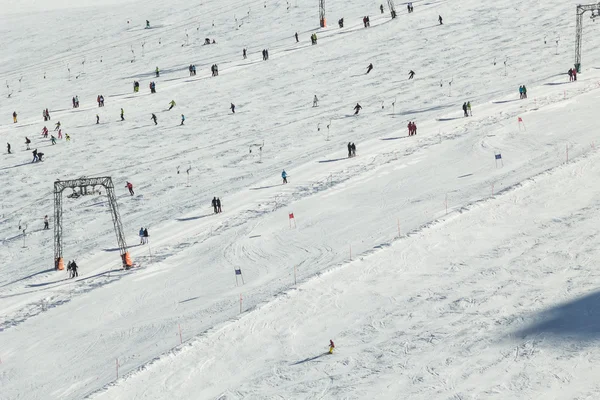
x,y
322,20
580,10
82,184
392,8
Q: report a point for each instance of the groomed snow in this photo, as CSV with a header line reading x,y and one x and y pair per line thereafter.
x,y
454,309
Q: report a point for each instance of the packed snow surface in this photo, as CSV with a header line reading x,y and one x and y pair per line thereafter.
x,y
455,264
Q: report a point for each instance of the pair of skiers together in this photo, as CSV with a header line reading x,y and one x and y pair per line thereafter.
x,y
467,108
351,150
143,235
572,74
215,70
522,92
216,203
412,128
72,268
313,38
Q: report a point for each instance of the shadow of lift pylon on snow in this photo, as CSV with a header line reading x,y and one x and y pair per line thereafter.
x,y
575,320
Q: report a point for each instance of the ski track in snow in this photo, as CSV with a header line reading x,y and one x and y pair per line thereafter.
x,y
394,192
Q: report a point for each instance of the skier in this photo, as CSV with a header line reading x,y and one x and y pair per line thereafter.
x,y
57,126
341,22
157,71
349,149
267,53
414,128
315,101
524,94
440,19
574,74
520,92
48,114
53,140
27,142
141,235
153,118
122,115
74,268
464,107
469,103
357,108
296,35
410,128
353,148
152,87
214,204
67,137
411,74
129,186
147,24
232,108
40,156
264,54
193,70
14,117
244,54
219,205
369,68
146,235
45,132
182,119
44,115
97,119
46,222
101,101
570,74
381,8
35,156
8,148
60,133
284,176
171,105
331,346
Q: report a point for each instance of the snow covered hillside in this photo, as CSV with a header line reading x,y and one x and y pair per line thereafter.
x,y
466,306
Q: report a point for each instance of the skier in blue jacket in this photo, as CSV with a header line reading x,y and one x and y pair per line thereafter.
x,y
284,176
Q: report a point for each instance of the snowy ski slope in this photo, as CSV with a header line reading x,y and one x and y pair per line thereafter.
x,y
468,305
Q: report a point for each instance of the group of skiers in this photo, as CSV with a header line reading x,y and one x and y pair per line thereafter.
x,y
265,54
75,101
100,100
143,235
410,7
412,128
216,203
192,70
522,92
37,156
152,86
313,38
46,115
215,70
366,21
136,86
351,150
572,74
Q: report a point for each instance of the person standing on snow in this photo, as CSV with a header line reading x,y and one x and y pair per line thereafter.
x,y
381,8
97,119
440,19
53,140
524,93
369,68
244,53
46,222
14,117
182,119
464,107
357,108
129,186
349,149
141,235
8,147
146,235
74,268
122,115
35,156
315,101
520,92
214,204
411,74
219,205
353,148
171,105
27,142
296,35
284,176
331,346
153,118
570,74
57,126
232,108
157,72
469,103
